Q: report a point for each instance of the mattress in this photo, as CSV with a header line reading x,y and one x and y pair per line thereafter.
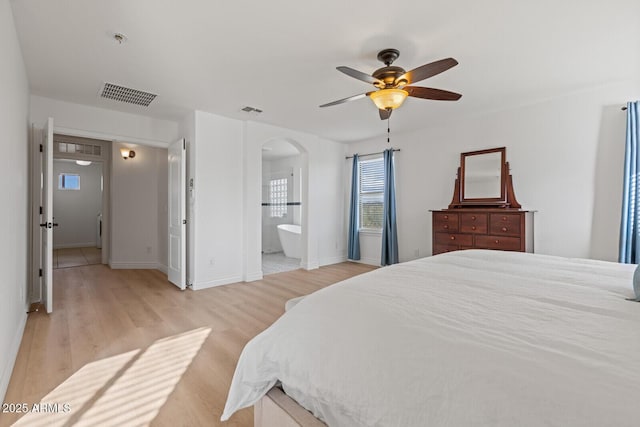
x,y
464,338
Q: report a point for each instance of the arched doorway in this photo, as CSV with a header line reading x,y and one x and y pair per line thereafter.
x,y
283,214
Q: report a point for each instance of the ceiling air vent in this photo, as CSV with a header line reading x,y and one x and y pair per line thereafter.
x,y
126,94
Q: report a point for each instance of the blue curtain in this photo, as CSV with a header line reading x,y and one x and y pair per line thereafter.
x,y
354,233
389,228
629,232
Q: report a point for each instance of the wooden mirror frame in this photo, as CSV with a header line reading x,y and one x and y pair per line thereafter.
x,y
507,197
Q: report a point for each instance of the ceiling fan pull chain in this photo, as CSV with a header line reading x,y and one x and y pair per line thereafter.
x,y
389,128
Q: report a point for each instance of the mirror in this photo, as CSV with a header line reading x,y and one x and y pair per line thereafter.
x,y
482,176
484,181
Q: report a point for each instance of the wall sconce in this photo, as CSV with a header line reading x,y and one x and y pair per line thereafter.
x,y
127,154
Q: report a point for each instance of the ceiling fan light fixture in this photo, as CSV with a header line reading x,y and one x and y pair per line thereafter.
x,y
389,98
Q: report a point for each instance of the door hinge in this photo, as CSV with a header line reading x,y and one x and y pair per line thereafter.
x,y
184,144
41,148
184,221
40,210
40,273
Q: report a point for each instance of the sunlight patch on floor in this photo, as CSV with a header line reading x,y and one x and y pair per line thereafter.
x,y
127,389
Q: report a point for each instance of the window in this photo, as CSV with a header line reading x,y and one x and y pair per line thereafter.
x,y
371,191
68,181
278,190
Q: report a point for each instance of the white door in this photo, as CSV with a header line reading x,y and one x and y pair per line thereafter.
x,y
177,268
46,219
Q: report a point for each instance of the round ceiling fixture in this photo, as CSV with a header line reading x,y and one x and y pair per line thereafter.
x,y
83,162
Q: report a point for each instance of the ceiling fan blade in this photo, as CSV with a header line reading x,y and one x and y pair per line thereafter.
x,y
360,75
384,114
429,93
427,70
343,100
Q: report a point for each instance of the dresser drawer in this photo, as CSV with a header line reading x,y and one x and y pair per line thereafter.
x,y
440,249
453,239
445,221
505,224
498,242
473,223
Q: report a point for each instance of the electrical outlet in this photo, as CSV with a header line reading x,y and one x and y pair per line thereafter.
x,y
148,249
416,253
212,262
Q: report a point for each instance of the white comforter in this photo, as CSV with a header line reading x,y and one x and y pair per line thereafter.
x,y
472,338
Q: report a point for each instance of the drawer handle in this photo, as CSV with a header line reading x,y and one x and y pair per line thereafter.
x,y
453,237
504,218
473,218
446,226
504,228
497,241
446,217
473,228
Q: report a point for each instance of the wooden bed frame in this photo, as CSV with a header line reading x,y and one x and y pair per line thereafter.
x,y
276,409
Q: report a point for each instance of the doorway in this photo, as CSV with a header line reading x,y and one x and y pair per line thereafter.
x,y
77,211
282,172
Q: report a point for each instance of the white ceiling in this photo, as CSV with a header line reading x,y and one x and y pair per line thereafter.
x,y
280,55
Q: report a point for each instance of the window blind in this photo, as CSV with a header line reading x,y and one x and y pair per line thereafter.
x,y
371,182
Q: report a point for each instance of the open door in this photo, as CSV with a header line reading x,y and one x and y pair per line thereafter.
x,y
46,217
177,268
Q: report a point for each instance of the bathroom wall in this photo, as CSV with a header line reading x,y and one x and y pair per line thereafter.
x,y
290,168
76,211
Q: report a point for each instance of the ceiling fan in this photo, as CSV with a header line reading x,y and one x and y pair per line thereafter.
x,y
393,83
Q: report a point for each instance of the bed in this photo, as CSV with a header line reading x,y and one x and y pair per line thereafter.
x,y
459,339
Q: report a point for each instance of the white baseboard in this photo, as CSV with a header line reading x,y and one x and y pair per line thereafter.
x,y
162,268
250,277
13,354
133,265
333,260
75,245
217,282
310,265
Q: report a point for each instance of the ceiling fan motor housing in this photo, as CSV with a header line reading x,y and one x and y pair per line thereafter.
x,y
389,75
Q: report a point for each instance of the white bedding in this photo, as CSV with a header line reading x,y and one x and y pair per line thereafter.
x,y
482,338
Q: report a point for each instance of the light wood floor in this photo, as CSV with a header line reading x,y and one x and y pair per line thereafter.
x,y
75,257
125,347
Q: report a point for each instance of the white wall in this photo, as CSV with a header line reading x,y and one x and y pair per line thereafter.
x,y
188,132
14,113
135,212
225,212
566,159
217,201
76,211
82,120
141,181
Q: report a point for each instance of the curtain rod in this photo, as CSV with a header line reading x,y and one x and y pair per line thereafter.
x,y
624,108
371,154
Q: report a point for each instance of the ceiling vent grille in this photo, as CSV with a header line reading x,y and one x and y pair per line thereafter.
x,y
126,94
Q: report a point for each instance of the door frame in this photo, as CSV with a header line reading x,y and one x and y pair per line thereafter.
x,y
105,158
35,199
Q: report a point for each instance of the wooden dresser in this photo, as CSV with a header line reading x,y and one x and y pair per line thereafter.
x,y
501,229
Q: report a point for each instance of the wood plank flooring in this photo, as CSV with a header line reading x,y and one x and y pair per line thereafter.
x,y
125,347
